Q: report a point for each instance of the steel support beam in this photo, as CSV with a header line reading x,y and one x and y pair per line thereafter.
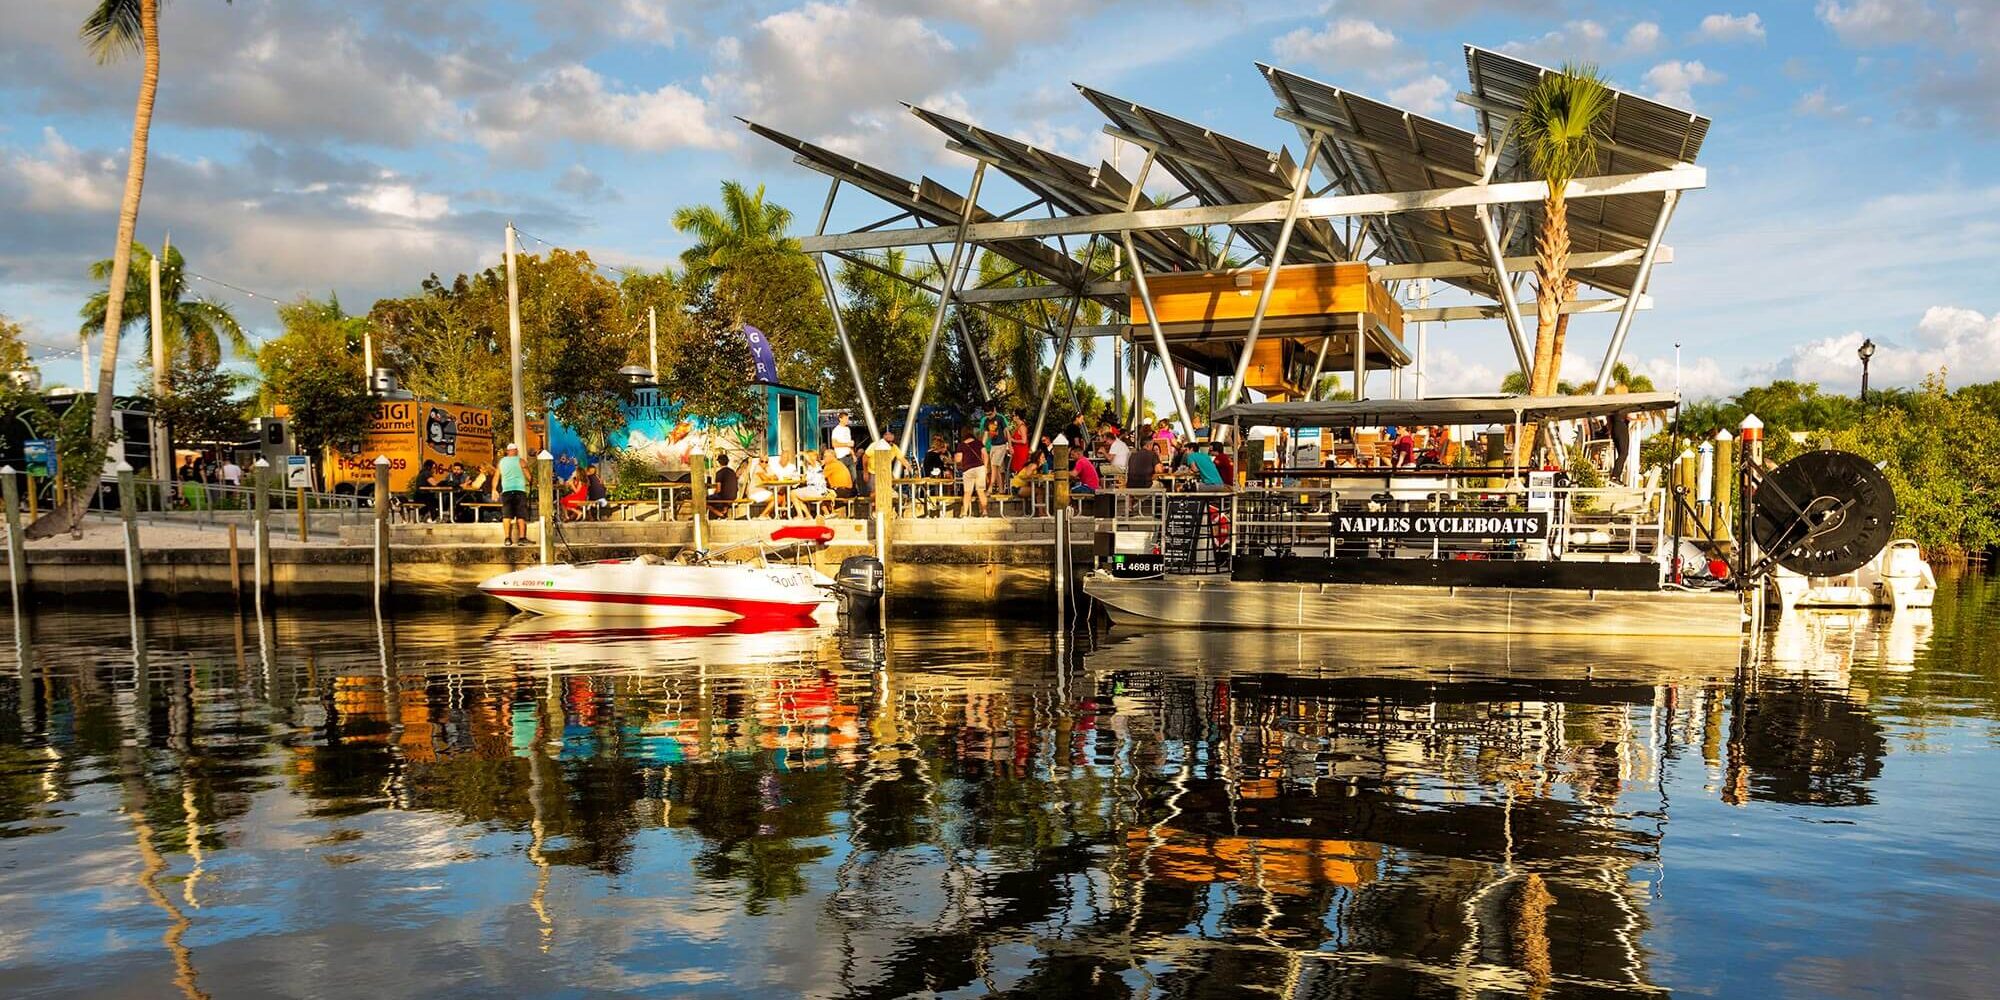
x,y
1062,347
1453,314
946,286
1672,198
1153,321
1270,273
1509,308
965,333
840,325
1679,178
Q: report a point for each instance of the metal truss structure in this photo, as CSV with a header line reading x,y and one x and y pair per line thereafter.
x,y
1419,200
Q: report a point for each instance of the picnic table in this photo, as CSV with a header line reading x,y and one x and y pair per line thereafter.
x,y
663,493
448,509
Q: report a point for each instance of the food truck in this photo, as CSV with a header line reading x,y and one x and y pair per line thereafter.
x,y
409,431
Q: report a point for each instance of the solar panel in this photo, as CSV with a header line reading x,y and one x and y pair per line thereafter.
x,y
1373,148
1220,170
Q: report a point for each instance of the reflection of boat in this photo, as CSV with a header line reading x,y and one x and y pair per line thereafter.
x,y
1898,577
1420,657
707,591
589,645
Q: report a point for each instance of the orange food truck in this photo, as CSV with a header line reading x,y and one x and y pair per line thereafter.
x,y
409,431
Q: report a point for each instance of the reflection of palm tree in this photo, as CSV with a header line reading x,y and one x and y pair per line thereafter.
x,y
195,328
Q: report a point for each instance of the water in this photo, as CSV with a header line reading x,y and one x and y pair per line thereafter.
x,y
463,805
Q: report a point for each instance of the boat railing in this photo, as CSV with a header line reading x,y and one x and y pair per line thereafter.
x,y
1578,523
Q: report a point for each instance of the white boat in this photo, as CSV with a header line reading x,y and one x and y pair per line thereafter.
x,y
709,590
1897,578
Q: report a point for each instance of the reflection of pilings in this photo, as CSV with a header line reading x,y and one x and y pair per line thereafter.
x,y
152,864
538,825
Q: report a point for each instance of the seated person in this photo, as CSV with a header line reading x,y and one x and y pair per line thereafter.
x,y
1139,469
1086,479
937,463
1207,474
476,488
815,488
576,495
839,477
420,488
1403,448
1224,464
763,495
594,479
724,494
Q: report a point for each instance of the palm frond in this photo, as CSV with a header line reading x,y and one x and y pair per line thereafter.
x,y
1563,122
112,29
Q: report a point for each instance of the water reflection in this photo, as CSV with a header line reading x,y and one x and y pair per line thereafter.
x,y
200,803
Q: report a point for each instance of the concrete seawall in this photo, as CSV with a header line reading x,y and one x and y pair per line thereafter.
x,y
989,565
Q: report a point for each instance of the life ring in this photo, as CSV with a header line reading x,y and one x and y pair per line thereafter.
x,y
1218,527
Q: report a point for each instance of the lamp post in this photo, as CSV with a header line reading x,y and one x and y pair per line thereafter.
x,y
1865,351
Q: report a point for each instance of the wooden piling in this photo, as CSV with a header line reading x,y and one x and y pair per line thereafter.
x,y
17,553
1725,483
381,580
882,473
305,529
260,536
235,569
1059,510
545,499
128,512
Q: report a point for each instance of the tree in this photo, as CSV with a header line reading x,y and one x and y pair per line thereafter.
x,y
13,351
314,367
709,376
1559,129
195,328
113,28
201,404
888,321
756,274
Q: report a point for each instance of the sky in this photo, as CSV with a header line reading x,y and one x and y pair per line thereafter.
x,y
354,147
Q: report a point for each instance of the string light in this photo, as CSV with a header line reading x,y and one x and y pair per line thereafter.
x,y
518,231
239,289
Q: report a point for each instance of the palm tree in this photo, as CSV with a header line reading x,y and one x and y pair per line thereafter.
x,y
1559,130
745,224
195,328
112,29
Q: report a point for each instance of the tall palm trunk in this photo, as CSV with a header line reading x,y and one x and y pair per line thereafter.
x,y
128,219
1552,290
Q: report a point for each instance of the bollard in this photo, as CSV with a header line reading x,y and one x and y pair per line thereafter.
x,y
304,531
34,499
1684,487
698,498
128,511
882,472
1750,459
1725,470
17,553
260,532
381,528
545,501
1704,489
1059,509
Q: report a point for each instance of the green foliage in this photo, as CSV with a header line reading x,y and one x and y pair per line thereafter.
x,y
13,350
1784,406
195,328
201,404
889,320
1941,452
747,266
314,367
709,375
1565,117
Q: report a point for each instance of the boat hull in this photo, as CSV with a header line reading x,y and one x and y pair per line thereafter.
x,y
1220,602
669,594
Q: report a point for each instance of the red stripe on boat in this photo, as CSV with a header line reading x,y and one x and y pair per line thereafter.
x,y
735,605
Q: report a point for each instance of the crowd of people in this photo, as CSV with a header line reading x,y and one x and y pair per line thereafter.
x,y
994,460
209,471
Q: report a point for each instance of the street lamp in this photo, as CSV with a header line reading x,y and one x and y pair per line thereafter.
x,y
1865,351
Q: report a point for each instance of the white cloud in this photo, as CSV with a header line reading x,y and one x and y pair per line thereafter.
x,y
577,104
1965,343
1673,82
1816,103
1879,22
401,200
62,178
1427,95
1346,45
1731,28
1587,41
1698,377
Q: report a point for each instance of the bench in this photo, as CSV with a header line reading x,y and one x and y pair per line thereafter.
x,y
479,509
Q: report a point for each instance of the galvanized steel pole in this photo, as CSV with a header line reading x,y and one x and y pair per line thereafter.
x,y
514,346
946,289
1277,261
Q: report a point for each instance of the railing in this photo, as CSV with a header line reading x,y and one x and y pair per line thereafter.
x,y
210,505
1612,523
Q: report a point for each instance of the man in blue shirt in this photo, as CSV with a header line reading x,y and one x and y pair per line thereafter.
x,y
514,496
1203,464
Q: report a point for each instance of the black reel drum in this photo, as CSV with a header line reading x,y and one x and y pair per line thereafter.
x,y
1823,513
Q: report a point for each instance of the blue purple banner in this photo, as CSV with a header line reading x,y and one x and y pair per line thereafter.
x,y
760,351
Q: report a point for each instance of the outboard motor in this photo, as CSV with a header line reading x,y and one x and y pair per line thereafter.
x,y
858,584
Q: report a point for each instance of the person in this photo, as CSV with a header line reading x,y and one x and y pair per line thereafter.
x,y
420,485
454,478
1204,467
1017,443
1118,453
1224,464
722,498
1403,449
998,456
232,474
1086,479
474,489
1139,469
575,496
843,438
839,477
815,488
971,473
763,494
937,464
513,497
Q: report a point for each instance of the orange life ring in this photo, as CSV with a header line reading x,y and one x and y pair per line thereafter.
x,y
1218,527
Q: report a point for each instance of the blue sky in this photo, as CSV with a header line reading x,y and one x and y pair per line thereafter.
x,y
356,146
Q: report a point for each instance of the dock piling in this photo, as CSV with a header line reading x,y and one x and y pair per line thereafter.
x,y
260,480
235,569
882,472
17,555
381,581
698,498
545,499
128,512
1059,510
1725,467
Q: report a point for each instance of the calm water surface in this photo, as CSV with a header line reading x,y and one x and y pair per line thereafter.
x,y
461,804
